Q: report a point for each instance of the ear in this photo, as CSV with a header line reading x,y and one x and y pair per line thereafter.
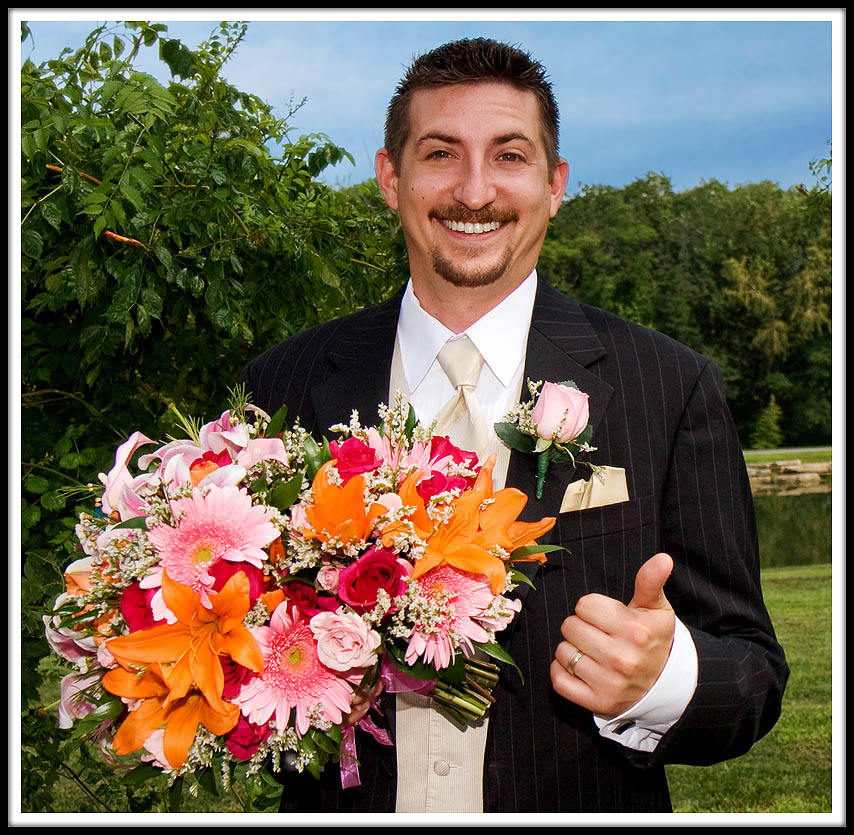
x,y
387,178
558,185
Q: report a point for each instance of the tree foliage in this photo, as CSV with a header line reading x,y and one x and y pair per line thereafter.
x,y
742,275
169,232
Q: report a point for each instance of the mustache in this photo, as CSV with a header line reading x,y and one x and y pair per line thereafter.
x,y
460,214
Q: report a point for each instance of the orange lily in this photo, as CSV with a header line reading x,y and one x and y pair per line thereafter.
x,y
180,719
339,511
419,520
192,646
465,539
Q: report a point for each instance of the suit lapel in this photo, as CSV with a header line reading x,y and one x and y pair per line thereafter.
x,y
360,365
561,346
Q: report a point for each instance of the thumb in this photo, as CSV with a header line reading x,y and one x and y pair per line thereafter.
x,y
649,583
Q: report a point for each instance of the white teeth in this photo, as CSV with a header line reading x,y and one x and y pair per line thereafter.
x,y
472,228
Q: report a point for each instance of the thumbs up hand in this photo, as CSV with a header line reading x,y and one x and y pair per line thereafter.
x,y
612,653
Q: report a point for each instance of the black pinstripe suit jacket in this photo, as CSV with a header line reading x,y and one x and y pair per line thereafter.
x,y
658,410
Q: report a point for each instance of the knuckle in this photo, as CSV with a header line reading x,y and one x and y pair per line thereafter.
x,y
587,605
639,634
625,665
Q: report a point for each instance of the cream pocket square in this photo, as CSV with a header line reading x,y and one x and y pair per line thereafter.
x,y
607,485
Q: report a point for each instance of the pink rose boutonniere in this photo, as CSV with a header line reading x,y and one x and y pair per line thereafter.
x,y
554,425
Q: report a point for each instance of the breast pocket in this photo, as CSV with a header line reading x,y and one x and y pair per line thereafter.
x,y
605,546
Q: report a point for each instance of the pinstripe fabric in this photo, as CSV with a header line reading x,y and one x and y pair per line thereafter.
x,y
658,411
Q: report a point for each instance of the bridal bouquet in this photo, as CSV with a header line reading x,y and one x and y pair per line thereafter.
x,y
237,595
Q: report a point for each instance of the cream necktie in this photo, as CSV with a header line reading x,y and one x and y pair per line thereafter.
x,y
462,418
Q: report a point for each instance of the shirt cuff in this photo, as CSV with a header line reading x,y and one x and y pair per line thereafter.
x,y
645,722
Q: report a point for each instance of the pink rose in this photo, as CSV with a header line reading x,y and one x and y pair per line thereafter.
x,y
327,578
353,458
561,413
376,569
344,641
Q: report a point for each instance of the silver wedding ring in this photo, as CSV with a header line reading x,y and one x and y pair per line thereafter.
x,y
574,660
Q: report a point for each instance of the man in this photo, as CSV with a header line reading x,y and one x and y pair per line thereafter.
x,y
646,640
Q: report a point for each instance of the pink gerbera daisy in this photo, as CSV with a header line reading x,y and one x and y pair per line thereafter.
x,y
467,596
293,676
218,524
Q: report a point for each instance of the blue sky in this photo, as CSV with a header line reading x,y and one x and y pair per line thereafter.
x,y
737,98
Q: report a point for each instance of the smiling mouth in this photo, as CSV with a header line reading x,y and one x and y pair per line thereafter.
x,y
471,228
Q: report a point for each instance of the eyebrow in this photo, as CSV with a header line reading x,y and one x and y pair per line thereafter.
x,y
453,140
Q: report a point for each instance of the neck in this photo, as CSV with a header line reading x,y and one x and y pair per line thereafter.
x,y
459,307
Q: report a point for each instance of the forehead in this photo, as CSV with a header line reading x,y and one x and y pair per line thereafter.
x,y
482,110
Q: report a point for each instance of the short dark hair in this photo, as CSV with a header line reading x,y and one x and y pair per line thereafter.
x,y
469,61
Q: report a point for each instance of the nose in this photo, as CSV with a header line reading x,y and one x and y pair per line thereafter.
x,y
475,187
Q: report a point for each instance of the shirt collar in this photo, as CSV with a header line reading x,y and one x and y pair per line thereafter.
x,y
501,335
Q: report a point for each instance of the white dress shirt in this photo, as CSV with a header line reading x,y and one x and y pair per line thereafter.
x,y
439,766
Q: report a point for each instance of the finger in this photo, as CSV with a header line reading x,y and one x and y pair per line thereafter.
x,y
570,686
591,639
649,583
598,611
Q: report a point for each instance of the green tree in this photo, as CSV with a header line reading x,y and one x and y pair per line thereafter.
x,y
741,275
169,232
767,434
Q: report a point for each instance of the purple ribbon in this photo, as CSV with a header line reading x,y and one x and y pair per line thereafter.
x,y
394,681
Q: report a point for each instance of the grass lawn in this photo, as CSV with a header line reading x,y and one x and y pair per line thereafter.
x,y
789,770
805,456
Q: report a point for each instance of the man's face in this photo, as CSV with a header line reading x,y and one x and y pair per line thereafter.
x,y
473,192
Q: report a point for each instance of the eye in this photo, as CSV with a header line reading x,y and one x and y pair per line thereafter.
x,y
439,154
511,156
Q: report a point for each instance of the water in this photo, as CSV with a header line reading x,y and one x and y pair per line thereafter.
x,y
794,530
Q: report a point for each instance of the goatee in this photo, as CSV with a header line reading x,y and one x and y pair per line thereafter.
x,y
455,272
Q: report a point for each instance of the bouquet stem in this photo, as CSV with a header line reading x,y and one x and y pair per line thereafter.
x,y
469,700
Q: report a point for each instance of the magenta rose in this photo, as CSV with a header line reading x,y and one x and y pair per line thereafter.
x,y
307,600
439,483
224,570
353,458
561,413
441,447
135,607
234,675
376,569
244,739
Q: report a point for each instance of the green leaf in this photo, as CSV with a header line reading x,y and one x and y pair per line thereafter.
x,y
315,456
518,576
178,58
137,523
175,797
510,434
419,670
498,652
277,422
51,213
31,243
528,550
282,496
36,484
